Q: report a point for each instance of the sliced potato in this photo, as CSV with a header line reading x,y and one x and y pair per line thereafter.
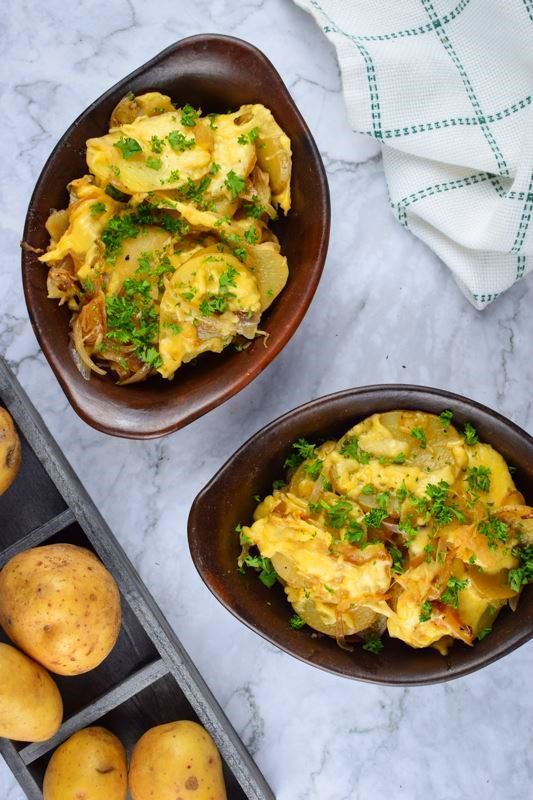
x,y
130,107
270,271
136,170
80,241
10,451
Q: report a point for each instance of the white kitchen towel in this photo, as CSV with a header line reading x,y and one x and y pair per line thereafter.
x,y
446,86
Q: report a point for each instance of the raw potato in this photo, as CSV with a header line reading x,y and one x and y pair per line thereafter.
x,y
9,451
177,761
61,606
31,709
91,765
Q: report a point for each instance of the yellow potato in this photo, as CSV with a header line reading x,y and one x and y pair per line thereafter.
x,y
9,451
177,761
61,606
91,765
31,709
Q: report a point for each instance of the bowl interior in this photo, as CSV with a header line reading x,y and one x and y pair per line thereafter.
x,y
228,500
215,73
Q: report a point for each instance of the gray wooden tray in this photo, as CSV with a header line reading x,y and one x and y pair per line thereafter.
x,y
148,679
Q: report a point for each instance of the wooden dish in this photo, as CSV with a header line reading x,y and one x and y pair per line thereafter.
x,y
216,73
148,678
229,499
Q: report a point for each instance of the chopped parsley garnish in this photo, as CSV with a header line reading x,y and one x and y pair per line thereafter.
x,y
446,418
350,449
470,434
313,469
118,229
235,184
484,632
97,209
337,513
218,303
212,121
179,142
426,610
478,479
399,458
189,116
496,531
450,596
132,318
157,144
251,235
153,163
437,504
279,485
173,327
523,574
420,435
267,574
253,208
248,138
397,558
128,226
194,191
296,622
302,450
368,488
128,146
355,533
407,527
373,644
214,169
374,518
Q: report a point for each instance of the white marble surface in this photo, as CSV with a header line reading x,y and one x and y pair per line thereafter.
x,y
386,310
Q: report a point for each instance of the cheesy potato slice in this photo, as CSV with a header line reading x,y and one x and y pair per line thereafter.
x,y
151,152
88,213
209,299
395,448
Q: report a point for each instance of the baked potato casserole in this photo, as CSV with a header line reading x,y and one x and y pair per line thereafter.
x,y
165,250
404,525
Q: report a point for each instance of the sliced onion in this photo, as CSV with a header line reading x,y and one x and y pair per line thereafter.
x,y
81,351
207,329
138,376
82,368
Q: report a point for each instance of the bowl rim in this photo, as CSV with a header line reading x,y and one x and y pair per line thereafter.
x,y
247,375
391,389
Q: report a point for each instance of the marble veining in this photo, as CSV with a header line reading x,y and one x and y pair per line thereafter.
x,y
387,310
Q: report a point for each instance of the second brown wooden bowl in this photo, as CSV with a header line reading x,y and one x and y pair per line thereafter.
x,y
215,73
229,499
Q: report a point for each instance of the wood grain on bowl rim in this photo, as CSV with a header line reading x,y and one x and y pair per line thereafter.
x,y
214,72
228,499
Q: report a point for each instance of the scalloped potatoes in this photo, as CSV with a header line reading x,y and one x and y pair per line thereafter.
x,y
164,252
404,525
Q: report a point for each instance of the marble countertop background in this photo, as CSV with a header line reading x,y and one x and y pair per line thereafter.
x,y
386,311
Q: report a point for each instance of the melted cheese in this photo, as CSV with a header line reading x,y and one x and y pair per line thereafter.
x,y
134,174
80,240
185,329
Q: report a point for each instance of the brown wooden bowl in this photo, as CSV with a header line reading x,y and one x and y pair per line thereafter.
x,y
229,499
216,73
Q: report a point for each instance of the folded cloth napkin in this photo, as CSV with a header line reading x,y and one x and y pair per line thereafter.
x,y
446,86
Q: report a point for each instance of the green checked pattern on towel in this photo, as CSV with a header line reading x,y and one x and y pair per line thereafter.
x,y
447,87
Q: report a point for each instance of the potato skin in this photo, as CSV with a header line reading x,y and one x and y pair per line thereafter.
x,y
177,761
10,451
31,708
90,765
61,606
